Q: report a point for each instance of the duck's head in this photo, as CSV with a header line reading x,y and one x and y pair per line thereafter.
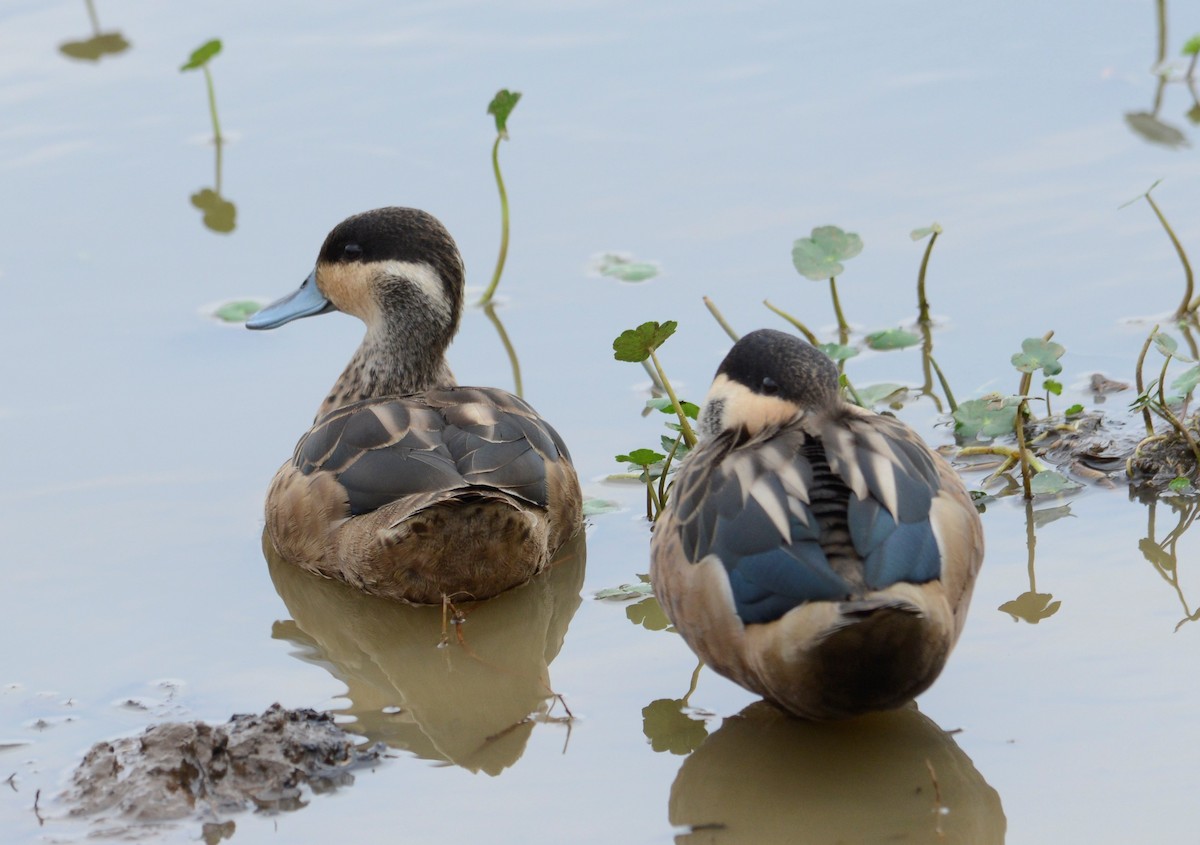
x,y
396,269
768,378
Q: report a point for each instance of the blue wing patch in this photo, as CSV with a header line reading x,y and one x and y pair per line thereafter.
x,y
892,552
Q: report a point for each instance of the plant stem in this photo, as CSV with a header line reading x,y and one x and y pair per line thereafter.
x,y
656,383
212,105
96,21
491,289
843,326
1166,414
662,479
490,311
1140,382
1025,475
1189,284
800,327
853,393
689,436
1001,451
712,309
922,302
945,385
695,681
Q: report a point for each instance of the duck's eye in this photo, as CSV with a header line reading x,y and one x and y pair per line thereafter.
x,y
352,251
769,386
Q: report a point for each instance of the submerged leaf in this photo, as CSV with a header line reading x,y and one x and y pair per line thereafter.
x,y
892,339
202,54
819,256
501,107
635,345
1037,354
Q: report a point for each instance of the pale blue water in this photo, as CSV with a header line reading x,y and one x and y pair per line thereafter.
x,y
705,136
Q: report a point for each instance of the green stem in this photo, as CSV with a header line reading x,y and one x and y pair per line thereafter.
x,y
1141,384
1001,451
1190,282
662,479
1166,414
945,385
212,105
712,309
654,380
491,289
689,436
490,311
853,393
800,327
843,326
1161,10
922,302
1025,474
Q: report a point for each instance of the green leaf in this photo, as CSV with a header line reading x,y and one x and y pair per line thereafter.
x,y
1075,410
642,457
1192,47
236,310
1053,386
626,591
1050,481
1186,381
624,268
1180,485
668,443
838,352
595,507
1037,354
820,256
984,418
202,54
664,404
925,231
892,339
501,107
1169,348
635,345
879,394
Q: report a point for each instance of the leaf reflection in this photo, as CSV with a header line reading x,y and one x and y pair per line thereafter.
x,y
472,703
887,777
1031,605
490,310
101,44
670,723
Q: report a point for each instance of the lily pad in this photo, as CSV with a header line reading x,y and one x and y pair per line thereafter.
x,y
838,352
237,310
892,339
501,107
880,394
1037,354
1049,482
595,507
635,345
625,268
201,55
984,418
626,591
821,255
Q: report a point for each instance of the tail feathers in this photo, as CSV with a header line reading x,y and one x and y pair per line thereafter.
x,y
873,613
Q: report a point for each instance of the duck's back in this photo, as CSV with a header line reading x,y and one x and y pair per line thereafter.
x,y
457,492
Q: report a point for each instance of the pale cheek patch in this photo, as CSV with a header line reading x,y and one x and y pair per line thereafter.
x,y
743,408
424,278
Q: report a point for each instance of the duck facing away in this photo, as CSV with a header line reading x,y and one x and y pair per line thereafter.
x,y
408,486
814,552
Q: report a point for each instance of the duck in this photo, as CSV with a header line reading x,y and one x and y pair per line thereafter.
x,y
408,485
812,551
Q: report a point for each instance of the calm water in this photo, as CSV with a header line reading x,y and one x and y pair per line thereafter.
x,y
141,435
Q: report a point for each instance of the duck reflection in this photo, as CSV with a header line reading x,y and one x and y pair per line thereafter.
x,y
765,777
99,45
472,702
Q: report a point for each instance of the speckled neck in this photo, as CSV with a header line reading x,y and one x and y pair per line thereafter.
x,y
393,361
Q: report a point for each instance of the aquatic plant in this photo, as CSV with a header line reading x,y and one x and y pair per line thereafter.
x,y
820,256
500,108
1188,305
200,58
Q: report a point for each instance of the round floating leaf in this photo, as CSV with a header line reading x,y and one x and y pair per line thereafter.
x,y
1050,481
237,310
838,352
892,339
925,231
624,268
642,457
820,256
202,54
1192,47
595,507
984,418
501,107
879,394
635,345
1037,354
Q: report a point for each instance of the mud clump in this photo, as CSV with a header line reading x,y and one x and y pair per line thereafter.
x,y
178,770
